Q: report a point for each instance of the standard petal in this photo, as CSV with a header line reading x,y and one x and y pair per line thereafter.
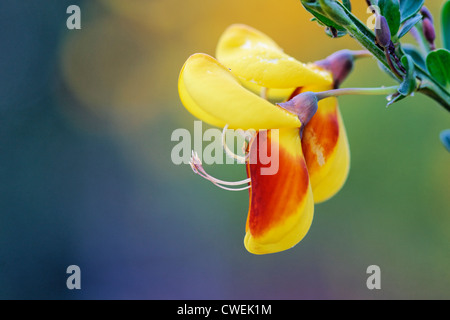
x,y
281,200
326,149
210,92
193,107
253,56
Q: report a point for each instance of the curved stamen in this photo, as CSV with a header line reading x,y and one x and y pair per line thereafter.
x,y
197,167
248,139
239,159
245,136
233,189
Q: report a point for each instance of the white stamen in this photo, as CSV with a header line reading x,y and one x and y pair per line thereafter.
x,y
197,167
239,159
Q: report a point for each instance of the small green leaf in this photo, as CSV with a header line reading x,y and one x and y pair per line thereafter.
x,y
415,53
315,9
438,63
318,22
347,4
411,22
390,9
446,25
408,8
408,85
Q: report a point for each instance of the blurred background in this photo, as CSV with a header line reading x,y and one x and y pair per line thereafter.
x,y
86,178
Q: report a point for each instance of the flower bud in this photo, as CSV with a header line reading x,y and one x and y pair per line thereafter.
x,y
340,64
304,105
429,32
382,32
426,13
335,12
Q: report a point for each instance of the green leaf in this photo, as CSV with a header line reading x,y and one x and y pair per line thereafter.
x,y
347,4
446,25
411,22
415,53
314,8
318,22
408,8
438,63
390,9
408,85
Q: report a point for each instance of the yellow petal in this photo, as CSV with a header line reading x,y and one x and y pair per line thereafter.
x,y
281,204
211,93
274,95
326,149
193,107
253,56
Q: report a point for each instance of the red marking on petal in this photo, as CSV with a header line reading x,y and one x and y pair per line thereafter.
x,y
321,135
274,197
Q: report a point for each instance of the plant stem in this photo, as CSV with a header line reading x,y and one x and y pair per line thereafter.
x,y
366,37
433,90
362,54
356,91
391,65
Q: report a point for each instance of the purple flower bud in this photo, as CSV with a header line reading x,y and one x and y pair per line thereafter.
x,y
340,64
426,13
304,105
429,32
382,32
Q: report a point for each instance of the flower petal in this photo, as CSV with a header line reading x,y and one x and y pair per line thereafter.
x,y
281,203
326,149
274,95
210,92
253,56
194,109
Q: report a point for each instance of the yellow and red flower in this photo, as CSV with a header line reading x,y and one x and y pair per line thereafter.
x,y
314,158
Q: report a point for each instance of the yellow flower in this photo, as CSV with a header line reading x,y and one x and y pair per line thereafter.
x,y
240,90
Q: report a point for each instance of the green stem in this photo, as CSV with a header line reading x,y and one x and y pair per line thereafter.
x,y
432,89
361,54
356,91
